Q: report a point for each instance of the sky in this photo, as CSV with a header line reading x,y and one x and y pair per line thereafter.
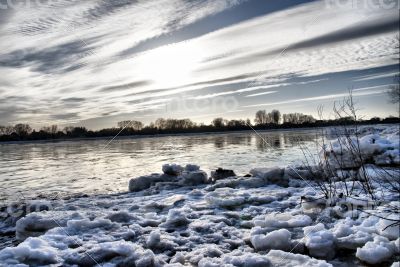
x,y
94,63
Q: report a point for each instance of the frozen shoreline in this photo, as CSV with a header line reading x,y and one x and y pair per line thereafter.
x,y
181,219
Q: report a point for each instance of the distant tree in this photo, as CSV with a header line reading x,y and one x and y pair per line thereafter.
x,y
22,129
134,125
261,117
218,122
248,122
68,129
78,132
297,118
236,123
53,129
276,116
45,129
160,123
6,130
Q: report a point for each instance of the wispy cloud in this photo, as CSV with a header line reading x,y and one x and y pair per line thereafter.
x,y
88,58
316,98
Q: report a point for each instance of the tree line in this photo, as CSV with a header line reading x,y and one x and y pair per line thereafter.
x,y
263,120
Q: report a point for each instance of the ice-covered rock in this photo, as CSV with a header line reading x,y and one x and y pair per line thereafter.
x,y
194,178
172,169
271,175
319,241
220,173
192,168
144,182
287,259
376,251
278,239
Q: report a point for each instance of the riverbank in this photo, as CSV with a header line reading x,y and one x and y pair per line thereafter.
x,y
118,134
181,217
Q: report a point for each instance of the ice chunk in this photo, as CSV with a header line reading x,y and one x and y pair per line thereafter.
x,y
34,251
153,239
142,182
242,260
355,240
225,197
283,220
194,178
192,168
279,239
388,228
172,169
145,182
222,174
271,175
376,251
286,259
36,224
319,241
175,218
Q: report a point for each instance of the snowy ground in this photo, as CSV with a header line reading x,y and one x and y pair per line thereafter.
x,y
179,218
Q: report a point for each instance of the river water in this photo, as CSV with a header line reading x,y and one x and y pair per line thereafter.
x,y
87,166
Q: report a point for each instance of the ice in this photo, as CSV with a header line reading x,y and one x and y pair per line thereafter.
x,y
33,251
175,218
319,241
388,228
195,178
376,251
271,175
283,220
236,259
286,259
278,239
173,169
380,147
36,224
225,197
142,182
192,167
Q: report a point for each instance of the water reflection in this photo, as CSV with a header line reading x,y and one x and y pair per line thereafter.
x,y
85,166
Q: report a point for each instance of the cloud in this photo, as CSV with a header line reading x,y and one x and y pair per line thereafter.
x,y
126,86
316,98
87,58
263,93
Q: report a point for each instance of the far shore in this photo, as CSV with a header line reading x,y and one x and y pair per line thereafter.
x,y
155,135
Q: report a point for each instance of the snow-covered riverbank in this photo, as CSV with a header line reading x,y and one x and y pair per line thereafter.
x,y
272,217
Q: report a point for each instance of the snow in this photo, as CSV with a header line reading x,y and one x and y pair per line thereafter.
x,y
287,259
32,251
283,220
271,175
278,239
319,241
376,251
387,228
